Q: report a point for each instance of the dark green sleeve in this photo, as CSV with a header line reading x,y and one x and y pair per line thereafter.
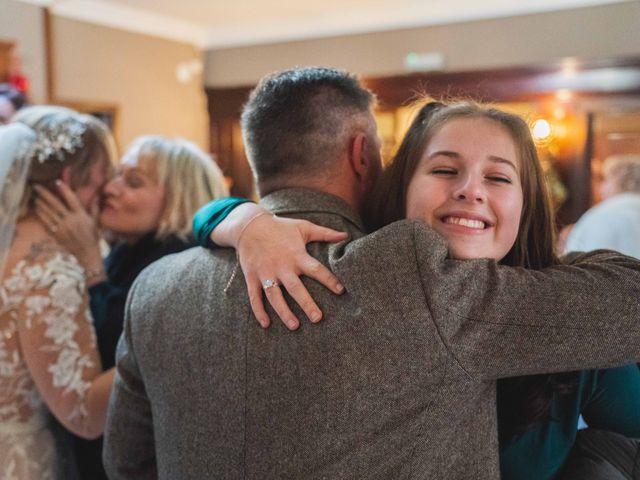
x,y
209,217
614,404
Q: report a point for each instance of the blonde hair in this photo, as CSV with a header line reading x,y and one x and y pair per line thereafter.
x,y
189,176
96,145
624,171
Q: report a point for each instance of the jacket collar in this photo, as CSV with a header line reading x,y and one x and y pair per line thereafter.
x,y
304,201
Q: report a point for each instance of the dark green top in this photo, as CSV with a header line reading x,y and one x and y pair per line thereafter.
x,y
108,298
208,217
608,399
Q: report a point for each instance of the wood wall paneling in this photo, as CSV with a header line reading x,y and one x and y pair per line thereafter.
x,y
6,47
225,106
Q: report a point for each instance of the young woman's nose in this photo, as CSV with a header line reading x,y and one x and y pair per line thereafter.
x,y
470,189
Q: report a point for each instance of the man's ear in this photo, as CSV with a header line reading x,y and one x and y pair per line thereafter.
x,y
65,175
358,157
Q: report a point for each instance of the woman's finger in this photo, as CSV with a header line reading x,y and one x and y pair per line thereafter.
x,y
300,294
315,233
312,268
254,289
94,211
51,200
279,304
45,211
47,221
68,196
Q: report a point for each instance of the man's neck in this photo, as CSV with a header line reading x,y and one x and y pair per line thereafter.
x,y
336,188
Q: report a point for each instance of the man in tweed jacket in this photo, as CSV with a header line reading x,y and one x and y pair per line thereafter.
x,y
398,382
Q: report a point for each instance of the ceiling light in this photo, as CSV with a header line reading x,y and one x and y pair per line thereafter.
x,y
541,129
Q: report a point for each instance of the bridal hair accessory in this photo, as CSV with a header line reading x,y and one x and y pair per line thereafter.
x,y
55,141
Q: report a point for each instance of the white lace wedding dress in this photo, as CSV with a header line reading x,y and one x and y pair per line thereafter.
x,y
47,356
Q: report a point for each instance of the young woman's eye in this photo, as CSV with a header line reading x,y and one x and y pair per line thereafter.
x,y
499,179
443,171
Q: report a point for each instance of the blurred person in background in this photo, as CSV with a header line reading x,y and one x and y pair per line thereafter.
x,y
147,208
49,360
11,100
614,223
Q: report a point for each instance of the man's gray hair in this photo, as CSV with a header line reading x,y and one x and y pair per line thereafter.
x,y
296,122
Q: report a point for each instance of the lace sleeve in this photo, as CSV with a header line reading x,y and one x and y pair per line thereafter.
x,y
56,335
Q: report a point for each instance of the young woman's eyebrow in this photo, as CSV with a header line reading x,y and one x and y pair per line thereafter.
x,y
445,153
493,158
496,159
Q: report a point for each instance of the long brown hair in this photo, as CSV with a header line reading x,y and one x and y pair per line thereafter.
x,y
533,247
522,401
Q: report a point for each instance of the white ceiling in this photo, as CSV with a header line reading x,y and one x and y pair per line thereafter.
x,y
211,24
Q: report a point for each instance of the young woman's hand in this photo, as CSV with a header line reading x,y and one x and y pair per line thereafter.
x,y
272,254
73,227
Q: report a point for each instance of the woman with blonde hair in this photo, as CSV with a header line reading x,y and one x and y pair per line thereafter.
x,y
48,355
147,208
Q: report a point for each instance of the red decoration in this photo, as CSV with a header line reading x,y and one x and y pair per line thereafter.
x,y
16,77
20,82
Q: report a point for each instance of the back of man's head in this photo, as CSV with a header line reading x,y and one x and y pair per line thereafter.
x,y
298,122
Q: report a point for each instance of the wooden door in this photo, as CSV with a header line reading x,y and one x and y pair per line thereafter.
x,y
6,47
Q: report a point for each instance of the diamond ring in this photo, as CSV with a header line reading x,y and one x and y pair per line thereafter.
x,y
267,284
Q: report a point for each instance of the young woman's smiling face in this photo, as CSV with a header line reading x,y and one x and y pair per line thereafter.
x,y
467,187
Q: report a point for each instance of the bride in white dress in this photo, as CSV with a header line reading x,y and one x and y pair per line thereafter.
x,y
48,355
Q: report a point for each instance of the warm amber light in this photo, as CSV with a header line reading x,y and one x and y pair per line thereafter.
x,y
569,66
559,113
541,129
564,95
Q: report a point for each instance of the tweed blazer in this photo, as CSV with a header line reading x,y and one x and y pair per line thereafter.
x,y
397,381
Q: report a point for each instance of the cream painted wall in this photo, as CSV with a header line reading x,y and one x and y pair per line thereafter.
x,y
588,33
22,23
136,72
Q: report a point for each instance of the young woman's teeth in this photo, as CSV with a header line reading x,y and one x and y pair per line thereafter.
x,y
465,222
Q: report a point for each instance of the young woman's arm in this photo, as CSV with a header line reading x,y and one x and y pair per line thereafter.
x,y
270,249
210,216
